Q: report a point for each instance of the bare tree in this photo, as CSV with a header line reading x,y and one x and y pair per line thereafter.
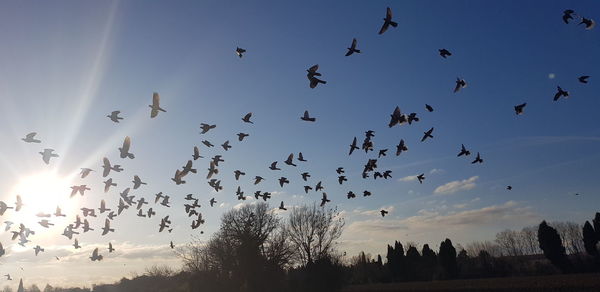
x,y
510,242
570,233
312,231
530,241
475,247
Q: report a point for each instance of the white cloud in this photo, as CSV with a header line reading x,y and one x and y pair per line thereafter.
x,y
436,170
457,185
408,178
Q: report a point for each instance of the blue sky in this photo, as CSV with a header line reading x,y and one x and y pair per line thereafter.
x,y
65,65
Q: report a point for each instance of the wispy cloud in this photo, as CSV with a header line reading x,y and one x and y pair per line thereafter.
x,y
457,185
408,178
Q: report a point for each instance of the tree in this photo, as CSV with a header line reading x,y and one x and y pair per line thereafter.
x,y
428,262
447,259
412,263
590,240
551,244
570,233
312,231
530,240
596,222
510,242
395,260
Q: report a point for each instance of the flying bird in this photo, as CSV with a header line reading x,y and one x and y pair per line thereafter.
x,y
383,212
305,176
110,247
76,244
107,167
428,108
124,151
106,229
463,151
38,249
290,160
95,256
240,52
155,106
427,134
247,117
18,204
196,154
589,23
3,208
301,157
207,143
241,136
509,188
382,152
583,79
114,116
47,154
444,53
401,147
107,184
324,200
353,146
206,127
226,145
306,117
282,207
387,21
137,182
29,138
274,166
560,92
85,172
312,72
237,174
477,159
352,49
421,177
460,84
567,15
212,202
519,108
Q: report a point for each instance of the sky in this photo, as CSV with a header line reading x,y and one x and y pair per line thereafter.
x,y
65,65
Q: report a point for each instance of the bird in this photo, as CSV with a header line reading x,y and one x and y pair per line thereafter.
x,y
421,177
567,15
306,117
29,138
206,127
76,244
18,204
427,134
124,151
283,180
3,208
240,52
353,146
137,182
274,166
237,174
282,207
95,256
307,188
85,172
247,117
589,23
382,152
509,188
583,79
428,108
342,179
290,160
396,118
519,108
351,195
8,277
444,53
212,170
312,72
339,170
412,117
207,143
401,147
324,200
387,174
172,245
463,151
47,154
241,136
58,212
212,202
110,247
107,184
387,21
103,208
155,106
226,145
258,179
477,159
45,223
106,229
460,84
301,157
108,167
196,154
81,189
114,116
8,225
366,193
560,92
383,212
305,176
38,249
352,49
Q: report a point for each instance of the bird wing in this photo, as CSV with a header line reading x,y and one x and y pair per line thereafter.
x,y
388,13
384,27
314,68
126,144
353,46
155,100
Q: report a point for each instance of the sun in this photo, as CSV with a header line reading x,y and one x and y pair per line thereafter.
x,y
41,194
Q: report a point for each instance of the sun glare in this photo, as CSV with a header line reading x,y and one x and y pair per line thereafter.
x,y
40,195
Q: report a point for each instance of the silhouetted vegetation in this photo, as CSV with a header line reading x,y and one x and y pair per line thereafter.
x,y
256,250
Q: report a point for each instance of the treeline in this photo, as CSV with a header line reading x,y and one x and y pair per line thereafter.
x,y
562,247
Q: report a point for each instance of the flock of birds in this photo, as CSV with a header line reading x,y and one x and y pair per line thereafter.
x,y
192,205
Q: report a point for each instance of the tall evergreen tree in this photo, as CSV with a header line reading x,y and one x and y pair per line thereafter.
x,y
551,244
412,263
597,225
590,240
428,262
447,259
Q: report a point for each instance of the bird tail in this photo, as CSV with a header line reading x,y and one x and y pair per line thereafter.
x,y
358,51
131,156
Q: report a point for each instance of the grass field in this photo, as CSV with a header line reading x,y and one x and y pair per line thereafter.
x,y
562,283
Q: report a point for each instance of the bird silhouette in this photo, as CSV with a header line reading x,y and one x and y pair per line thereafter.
x,y
401,147
351,195
212,202
312,72
305,176
353,146
352,49
247,117
206,127
29,138
155,106
509,188
382,152
137,182
110,247
477,159
241,136
427,134
282,207
274,166
324,200
567,15
460,84
95,256
387,21
290,160
383,212
238,173
463,151
196,154
47,154
18,204
106,229
240,52
589,23
114,116
583,79
519,108
107,184
421,177
124,151
38,249
306,117
560,93
428,108
444,53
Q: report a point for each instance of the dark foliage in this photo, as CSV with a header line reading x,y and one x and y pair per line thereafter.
x,y
551,244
